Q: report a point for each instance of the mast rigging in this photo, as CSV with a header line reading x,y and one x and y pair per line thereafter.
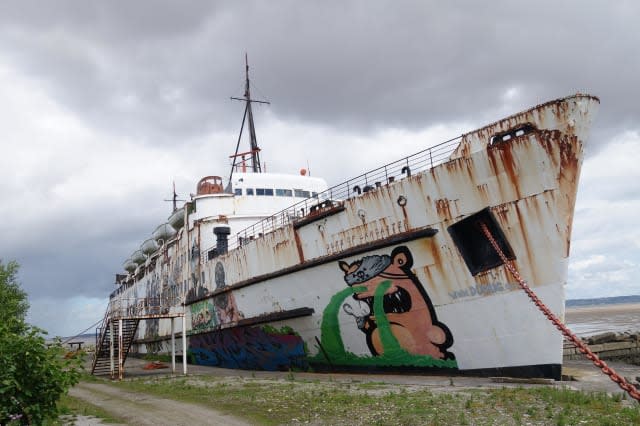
x,y
248,114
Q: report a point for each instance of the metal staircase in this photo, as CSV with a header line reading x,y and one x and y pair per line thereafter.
x,y
108,346
118,332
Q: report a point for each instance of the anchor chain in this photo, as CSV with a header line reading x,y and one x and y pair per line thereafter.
x,y
582,347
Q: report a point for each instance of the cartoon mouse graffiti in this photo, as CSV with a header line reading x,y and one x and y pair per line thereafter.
x,y
407,307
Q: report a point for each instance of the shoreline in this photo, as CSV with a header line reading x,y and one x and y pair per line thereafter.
x,y
587,321
617,307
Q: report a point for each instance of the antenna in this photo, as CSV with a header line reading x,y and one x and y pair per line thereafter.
x,y
174,199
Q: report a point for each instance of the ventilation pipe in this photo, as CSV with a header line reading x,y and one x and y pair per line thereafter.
x,y
222,239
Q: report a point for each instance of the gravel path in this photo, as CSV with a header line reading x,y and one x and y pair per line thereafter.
x,y
144,409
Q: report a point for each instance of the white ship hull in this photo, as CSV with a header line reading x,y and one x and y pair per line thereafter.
x,y
393,274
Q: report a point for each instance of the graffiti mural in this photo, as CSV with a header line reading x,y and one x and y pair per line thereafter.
x,y
392,309
251,348
197,289
225,303
152,328
202,316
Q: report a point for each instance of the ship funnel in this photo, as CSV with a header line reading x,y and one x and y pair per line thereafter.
x,y
222,236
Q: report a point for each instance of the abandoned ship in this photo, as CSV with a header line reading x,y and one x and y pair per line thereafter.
x,y
389,270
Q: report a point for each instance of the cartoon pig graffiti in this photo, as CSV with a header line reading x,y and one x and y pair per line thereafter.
x,y
406,304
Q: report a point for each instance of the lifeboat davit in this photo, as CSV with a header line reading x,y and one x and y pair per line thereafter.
x,y
163,232
149,246
138,257
129,265
177,218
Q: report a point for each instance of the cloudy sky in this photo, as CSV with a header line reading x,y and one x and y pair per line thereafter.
x,y
104,104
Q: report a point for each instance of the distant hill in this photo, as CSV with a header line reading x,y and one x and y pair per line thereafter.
x,y
602,301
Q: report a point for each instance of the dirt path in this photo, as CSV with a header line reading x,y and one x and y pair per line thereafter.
x,y
144,409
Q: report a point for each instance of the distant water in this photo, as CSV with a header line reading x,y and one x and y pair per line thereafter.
x,y
587,317
86,338
574,303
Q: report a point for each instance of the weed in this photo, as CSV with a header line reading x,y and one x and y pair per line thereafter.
x,y
263,401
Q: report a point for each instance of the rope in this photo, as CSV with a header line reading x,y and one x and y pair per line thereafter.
x,y
584,349
82,332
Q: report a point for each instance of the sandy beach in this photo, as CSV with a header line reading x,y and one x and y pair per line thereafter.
x,y
590,320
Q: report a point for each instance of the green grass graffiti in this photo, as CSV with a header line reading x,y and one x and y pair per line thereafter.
x,y
393,356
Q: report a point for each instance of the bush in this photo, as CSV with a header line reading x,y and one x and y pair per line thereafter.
x,y
32,375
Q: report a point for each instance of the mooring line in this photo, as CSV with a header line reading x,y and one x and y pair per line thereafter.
x,y
621,381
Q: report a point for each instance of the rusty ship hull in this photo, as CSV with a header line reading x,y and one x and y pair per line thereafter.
x,y
388,270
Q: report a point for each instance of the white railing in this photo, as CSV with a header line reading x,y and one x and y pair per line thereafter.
x,y
141,307
334,196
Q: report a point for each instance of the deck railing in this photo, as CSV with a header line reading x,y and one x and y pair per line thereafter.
x,y
334,196
121,307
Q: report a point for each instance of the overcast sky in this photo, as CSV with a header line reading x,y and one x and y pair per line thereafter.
x,y
103,104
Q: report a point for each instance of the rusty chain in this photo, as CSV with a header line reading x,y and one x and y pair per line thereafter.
x,y
582,347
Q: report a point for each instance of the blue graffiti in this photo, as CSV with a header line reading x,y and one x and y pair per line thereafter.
x,y
249,348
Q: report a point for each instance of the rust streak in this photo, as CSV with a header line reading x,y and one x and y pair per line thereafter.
x,y
443,209
296,237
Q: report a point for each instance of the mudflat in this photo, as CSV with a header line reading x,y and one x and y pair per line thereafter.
x,y
590,320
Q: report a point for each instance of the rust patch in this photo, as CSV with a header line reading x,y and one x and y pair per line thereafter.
x,y
298,245
483,189
435,270
524,224
465,149
443,209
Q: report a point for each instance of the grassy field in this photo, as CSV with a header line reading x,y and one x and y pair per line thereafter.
x,y
294,401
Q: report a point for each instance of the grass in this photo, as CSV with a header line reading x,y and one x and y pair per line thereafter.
x,y
293,401
73,407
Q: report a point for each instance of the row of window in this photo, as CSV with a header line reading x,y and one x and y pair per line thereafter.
x,y
301,193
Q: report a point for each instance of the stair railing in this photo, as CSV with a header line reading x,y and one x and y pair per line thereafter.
x,y
100,337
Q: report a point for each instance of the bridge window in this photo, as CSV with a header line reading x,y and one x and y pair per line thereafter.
x,y
264,191
249,191
284,193
301,193
238,191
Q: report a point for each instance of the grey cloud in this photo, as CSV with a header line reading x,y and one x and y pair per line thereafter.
x,y
163,70
161,73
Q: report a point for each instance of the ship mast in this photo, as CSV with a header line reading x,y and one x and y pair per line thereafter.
x,y
255,151
248,113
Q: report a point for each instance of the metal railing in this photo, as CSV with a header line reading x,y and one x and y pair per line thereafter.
x,y
140,307
334,196
100,332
